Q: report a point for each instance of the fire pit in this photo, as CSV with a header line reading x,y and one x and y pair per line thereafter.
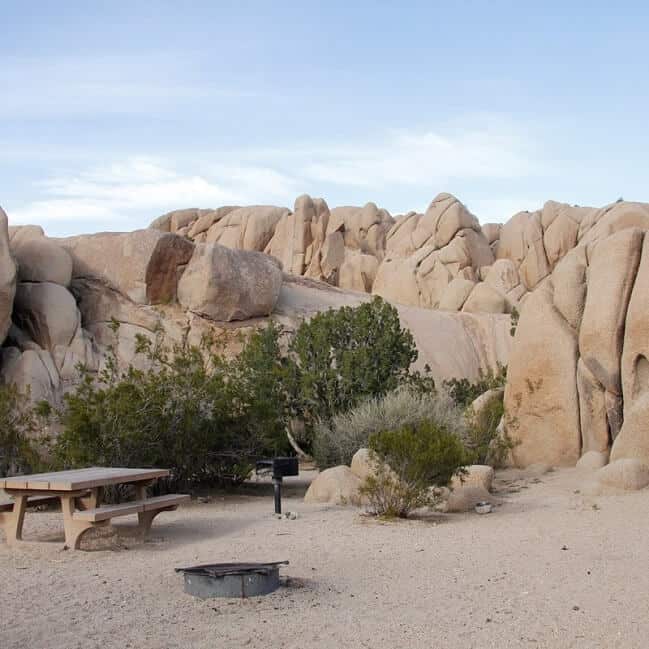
x,y
232,579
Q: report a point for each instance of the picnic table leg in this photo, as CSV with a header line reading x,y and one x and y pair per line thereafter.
x,y
74,530
92,500
13,520
145,519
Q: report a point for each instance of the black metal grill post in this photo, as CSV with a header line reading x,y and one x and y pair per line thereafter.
x,y
277,487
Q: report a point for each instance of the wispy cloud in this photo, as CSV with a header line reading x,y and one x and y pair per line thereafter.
x,y
61,87
133,190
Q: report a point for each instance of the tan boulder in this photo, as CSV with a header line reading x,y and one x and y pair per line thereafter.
x,y
444,218
592,411
560,237
7,277
464,499
335,486
20,233
485,299
143,265
455,294
633,439
627,474
42,260
363,228
399,238
396,281
491,232
569,282
362,465
299,235
611,273
247,228
541,390
47,312
358,271
205,219
477,475
502,276
592,460
635,351
32,371
224,284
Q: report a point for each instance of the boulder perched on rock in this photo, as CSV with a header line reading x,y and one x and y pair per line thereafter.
x,y
47,312
42,260
335,486
144,265
224,284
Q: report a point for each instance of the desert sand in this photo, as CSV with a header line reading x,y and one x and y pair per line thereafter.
x,y
549,567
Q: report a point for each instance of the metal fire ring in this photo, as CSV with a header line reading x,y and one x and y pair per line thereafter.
x,y
232,579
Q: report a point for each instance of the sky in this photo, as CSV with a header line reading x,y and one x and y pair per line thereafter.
x,y
112,113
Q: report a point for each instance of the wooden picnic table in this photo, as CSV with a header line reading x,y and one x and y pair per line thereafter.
x,y
80,492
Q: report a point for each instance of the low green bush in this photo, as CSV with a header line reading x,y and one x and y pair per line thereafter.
x,y
204,416
408,462
336,440
464,391
482,435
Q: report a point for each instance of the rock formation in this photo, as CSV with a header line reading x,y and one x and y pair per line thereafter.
x,y
578,378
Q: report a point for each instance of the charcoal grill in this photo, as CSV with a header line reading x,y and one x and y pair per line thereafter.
x,y
232,579
278,467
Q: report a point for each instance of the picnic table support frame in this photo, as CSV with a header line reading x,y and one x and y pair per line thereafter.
x,y
12,521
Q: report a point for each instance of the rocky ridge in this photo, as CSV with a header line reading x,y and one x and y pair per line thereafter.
x,y
578,377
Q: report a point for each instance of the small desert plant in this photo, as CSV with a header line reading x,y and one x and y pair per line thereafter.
x,y
336,440
408,462
482,434
464,391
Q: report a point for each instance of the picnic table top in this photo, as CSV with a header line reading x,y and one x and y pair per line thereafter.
x,y
77,479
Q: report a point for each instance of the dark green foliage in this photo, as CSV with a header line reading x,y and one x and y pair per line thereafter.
x,y
513,319
18,426
203,416
409,461
482,436
464,392
342,357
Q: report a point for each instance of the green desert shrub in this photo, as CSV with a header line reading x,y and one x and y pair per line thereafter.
x,y
482,437
409,461
342,357
336,440
18,427
464,391
204,416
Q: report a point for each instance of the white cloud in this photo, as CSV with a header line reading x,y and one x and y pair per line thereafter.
x,y
131,192
127,193
426,158
64,87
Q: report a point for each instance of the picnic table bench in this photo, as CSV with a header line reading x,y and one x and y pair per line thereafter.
x,y
80,493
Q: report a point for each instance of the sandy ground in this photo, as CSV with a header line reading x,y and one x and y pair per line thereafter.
x,y
548,568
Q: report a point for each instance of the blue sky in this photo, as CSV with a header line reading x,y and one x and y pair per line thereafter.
x,y
112,113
